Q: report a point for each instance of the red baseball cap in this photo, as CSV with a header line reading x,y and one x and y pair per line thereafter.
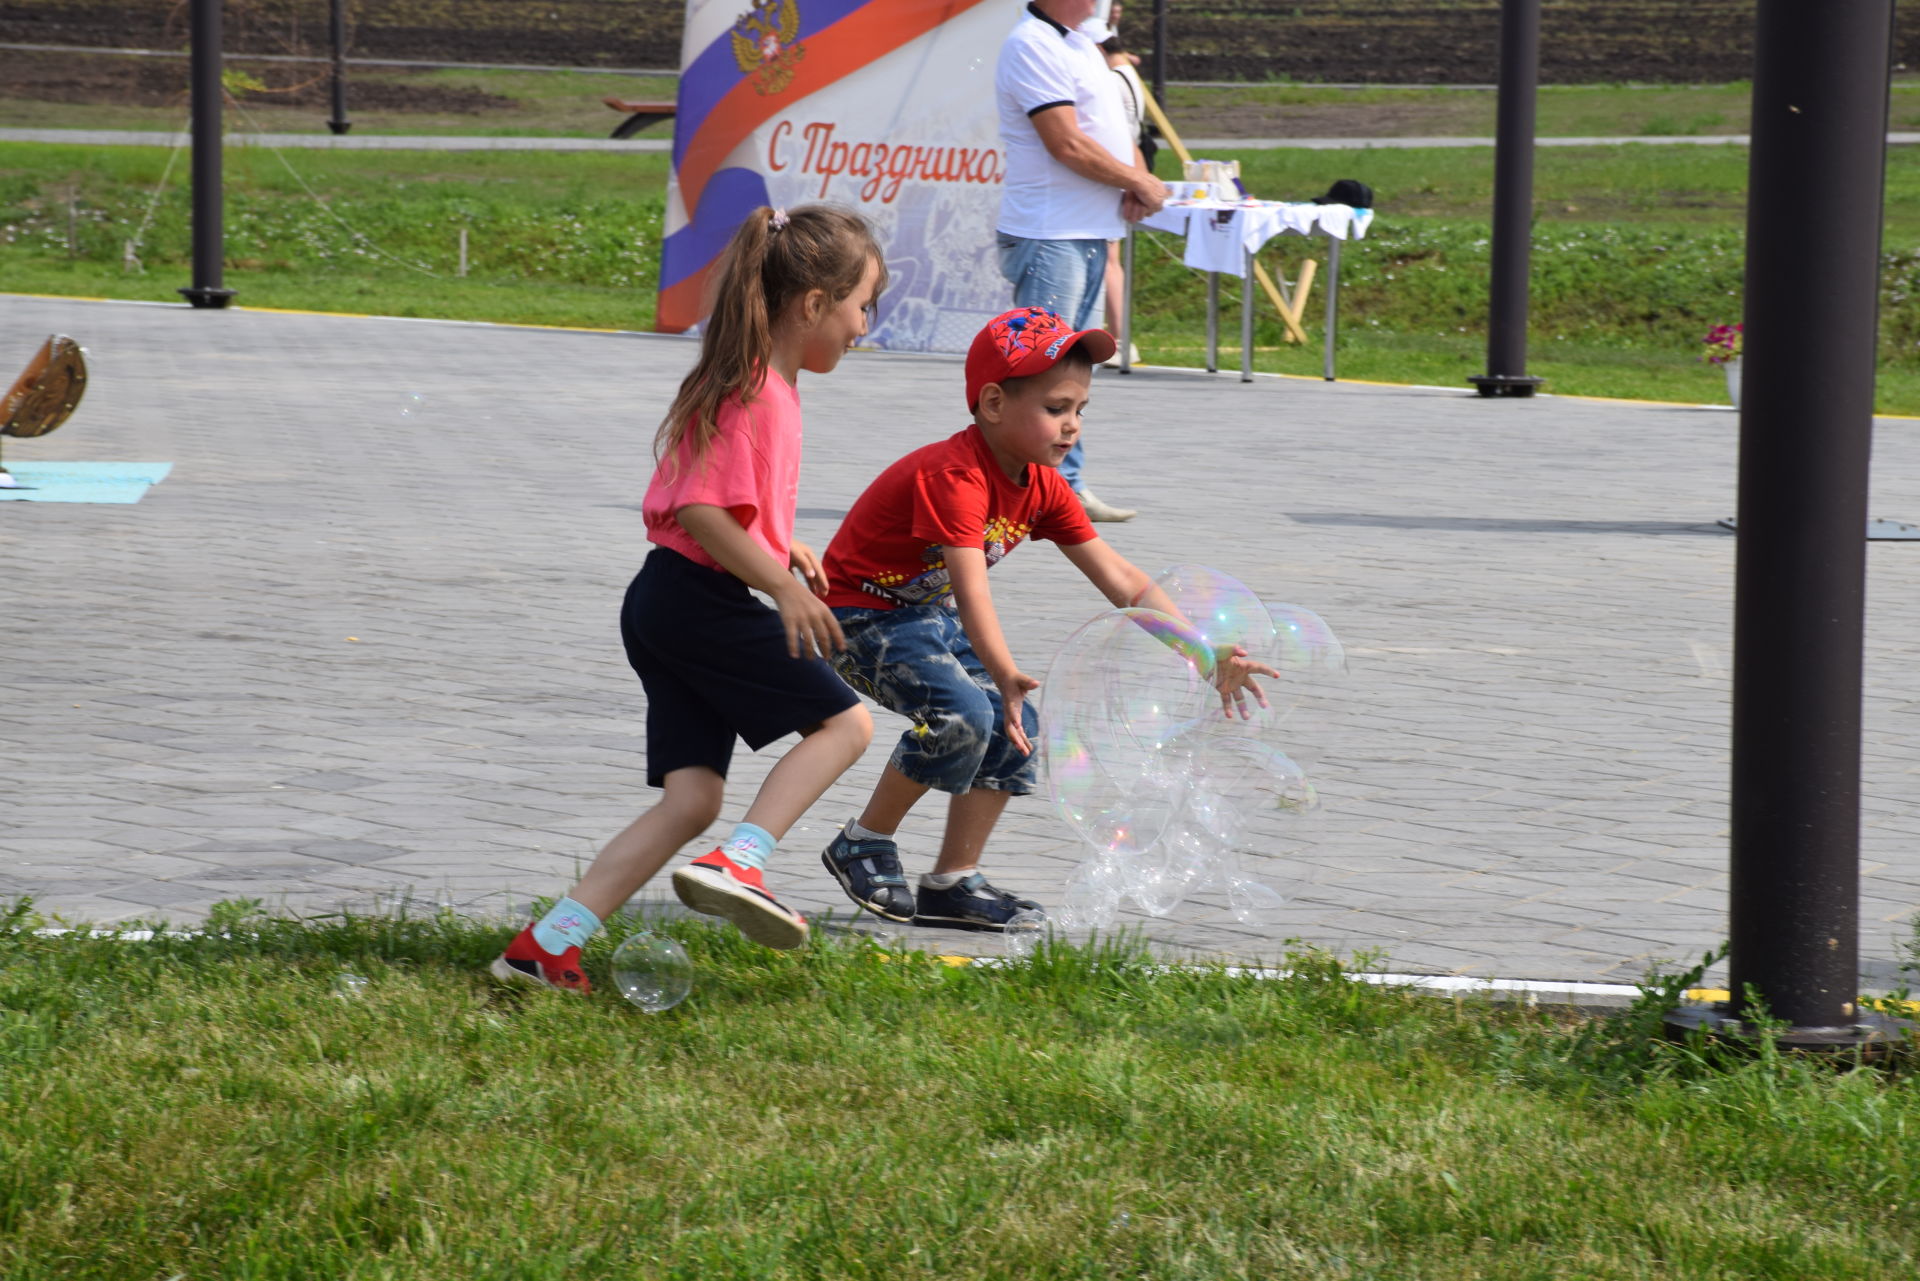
x,y
1023,342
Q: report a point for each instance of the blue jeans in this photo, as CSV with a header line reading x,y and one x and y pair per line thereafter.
x,y
1064,276
917,661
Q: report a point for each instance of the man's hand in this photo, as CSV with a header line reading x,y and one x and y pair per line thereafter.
x,y
1147,192
1233,674
811,627
1014,687
801,557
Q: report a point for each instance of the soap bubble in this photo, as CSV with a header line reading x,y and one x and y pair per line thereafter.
x,y
1021,937
1254,903
652,971
413,405
1162,784
1091,899
349,986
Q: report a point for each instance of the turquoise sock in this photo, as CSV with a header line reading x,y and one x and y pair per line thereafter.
x,y
749,846
567,925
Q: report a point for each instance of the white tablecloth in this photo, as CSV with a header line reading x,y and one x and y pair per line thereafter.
x,y
1219,233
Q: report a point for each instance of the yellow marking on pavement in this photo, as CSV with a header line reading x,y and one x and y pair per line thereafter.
x,y
1717,995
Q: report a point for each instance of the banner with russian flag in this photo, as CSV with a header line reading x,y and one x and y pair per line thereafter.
x,y
885,107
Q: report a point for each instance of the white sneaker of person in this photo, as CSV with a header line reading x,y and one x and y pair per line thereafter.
x,y
1113,361
1098,510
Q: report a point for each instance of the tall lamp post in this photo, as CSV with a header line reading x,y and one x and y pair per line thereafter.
x,y
337,21
1159,50
209,234
1820,88
1512,203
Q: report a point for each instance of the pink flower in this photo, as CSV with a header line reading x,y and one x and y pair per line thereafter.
x,y
1723,343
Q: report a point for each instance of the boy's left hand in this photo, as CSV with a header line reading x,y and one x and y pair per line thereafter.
x,y
801,557
1233,674
1014,688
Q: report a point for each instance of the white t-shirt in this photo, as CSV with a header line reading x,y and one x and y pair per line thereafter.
x,y
1216,240
1044,65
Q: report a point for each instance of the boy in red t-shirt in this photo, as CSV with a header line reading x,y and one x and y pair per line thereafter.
x,y
907,579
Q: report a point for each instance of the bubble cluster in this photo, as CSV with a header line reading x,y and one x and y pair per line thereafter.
x,y
652,970
1162,784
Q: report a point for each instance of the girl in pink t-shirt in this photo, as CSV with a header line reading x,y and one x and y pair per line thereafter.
x,y
793,292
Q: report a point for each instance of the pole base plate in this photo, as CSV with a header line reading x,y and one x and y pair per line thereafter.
x,y
1871,1035
1505,384
204,297
1879,529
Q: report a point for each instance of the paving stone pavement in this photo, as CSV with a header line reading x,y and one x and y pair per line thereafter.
x,y
362,642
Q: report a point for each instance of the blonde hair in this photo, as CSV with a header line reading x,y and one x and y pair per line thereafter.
x,y
775,257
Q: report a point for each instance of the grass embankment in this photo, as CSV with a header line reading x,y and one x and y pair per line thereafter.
x,y
238,1107
1638,251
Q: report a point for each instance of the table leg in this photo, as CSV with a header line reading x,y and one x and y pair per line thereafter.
x,y
1126,302
1246,320
1333,304
1213,322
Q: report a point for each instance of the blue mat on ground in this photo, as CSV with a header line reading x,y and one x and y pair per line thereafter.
x,y
83,482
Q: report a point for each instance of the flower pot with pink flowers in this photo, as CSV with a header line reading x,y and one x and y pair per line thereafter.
x,y
1723,349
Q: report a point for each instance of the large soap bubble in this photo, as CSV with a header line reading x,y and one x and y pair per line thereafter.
x,y
1162,784
652,970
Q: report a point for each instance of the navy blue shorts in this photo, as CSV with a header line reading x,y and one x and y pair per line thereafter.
x,y
715,666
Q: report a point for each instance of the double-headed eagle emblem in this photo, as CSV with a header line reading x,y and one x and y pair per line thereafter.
x,y
763,44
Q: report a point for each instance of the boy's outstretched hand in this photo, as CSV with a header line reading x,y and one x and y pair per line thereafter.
x,y
1233,674
1014,688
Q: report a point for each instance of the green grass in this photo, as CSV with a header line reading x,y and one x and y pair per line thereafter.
x,y
1637,252
552,238
225,1106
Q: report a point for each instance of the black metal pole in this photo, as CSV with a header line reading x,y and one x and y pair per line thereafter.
x,y
1512,203
1160,51
1820,89
209,238
338,122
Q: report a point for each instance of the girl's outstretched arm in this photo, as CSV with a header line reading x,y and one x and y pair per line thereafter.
x,y
811,626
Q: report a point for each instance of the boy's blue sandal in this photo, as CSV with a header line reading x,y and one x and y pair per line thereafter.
x,y
971,904
869,871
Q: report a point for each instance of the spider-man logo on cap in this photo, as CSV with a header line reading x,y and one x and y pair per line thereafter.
x,y
1023,342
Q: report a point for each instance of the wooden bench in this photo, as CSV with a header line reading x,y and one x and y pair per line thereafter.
x,y
639,115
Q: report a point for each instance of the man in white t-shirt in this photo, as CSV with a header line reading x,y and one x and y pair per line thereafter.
x,y
1074,175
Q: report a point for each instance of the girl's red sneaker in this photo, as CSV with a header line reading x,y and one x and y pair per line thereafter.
x,y
718,886
525,961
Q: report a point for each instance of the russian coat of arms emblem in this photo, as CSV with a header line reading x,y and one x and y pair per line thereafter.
x,y
763,44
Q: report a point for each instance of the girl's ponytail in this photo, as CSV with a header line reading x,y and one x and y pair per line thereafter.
x,y
774,257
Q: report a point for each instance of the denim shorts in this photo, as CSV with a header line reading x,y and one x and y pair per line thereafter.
x,y
917,661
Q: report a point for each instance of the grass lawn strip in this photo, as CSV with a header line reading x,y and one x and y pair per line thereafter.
x,y
1636,254
222,1106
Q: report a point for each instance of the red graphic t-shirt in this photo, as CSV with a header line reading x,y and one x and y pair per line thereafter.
x,y
948,494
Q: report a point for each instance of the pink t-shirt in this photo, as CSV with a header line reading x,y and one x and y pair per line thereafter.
x,y
751,468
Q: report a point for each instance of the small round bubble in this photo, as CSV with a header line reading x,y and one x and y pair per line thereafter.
x,y
652,971
1021,938
1254,903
